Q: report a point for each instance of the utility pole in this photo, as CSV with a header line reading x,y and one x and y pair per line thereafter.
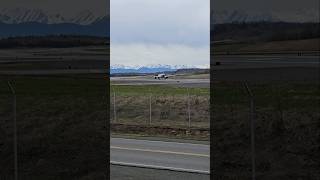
x,y
15,144
189,118
114,106
252,122
150,108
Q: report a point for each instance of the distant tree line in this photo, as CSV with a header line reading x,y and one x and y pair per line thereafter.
x,y
264,31
52,41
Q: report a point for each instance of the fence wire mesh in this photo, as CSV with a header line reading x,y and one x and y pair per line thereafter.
x,y
163,106
60,127
285,116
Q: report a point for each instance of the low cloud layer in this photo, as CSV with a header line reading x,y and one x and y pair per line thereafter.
x,y
151,54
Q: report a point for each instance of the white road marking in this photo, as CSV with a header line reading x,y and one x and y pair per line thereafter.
x,y
159,167
159,151
168,142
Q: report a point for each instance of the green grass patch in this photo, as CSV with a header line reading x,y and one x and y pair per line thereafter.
x,y
55,85
61,124
134,90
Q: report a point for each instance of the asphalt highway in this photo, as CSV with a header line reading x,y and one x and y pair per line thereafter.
x,y
184,157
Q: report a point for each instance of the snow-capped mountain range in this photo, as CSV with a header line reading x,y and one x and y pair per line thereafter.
x,y
152,68
86,17
299,16
30,22
21,15
25,22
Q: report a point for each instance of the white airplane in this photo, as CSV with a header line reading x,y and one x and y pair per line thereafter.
x,y
161,76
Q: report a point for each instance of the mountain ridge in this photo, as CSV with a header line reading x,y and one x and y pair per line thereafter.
x,y
152,68
100,29
87,17
22,15
240,16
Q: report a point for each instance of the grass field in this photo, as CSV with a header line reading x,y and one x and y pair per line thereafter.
x,y
62,119
90,57
169,105
61,123
133,90
287,130
289,46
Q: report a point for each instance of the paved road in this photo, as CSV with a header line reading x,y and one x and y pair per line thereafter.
x,y
118,172
53,72
149,80
271,68
184,157
233,67
266,61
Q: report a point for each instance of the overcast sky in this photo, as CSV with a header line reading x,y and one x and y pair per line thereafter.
x,y
174,32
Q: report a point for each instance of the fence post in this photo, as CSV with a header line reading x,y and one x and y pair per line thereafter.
x,y
150,107
252,122
15,144
114,106
189,118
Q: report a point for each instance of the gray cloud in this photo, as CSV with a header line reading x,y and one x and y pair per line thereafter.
x,y
158,21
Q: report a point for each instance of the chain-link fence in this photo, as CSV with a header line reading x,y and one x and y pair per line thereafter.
x,y
53,127
160,106
264,130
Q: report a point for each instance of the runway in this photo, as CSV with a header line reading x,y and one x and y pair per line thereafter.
x,y
184,157
284,67
149,80
53,72
264,61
